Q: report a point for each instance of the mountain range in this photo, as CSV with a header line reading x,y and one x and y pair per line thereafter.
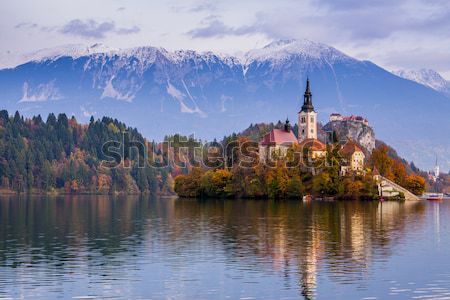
x,y
210,95
428,78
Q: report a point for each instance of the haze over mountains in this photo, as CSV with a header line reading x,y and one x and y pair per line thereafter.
x,y
210,95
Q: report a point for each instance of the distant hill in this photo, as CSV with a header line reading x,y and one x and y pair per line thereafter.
x,y
209,95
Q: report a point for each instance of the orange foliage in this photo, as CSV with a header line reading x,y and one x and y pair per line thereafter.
x,y
104,183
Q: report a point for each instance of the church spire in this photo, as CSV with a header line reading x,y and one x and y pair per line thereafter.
x,y
308,89
307,99
287,126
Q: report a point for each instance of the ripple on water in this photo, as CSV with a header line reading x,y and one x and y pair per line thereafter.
x,y
94,247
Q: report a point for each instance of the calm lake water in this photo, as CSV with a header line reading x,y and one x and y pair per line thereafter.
x,y
147,248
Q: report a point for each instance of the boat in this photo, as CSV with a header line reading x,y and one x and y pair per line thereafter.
x,y
307,198
434,196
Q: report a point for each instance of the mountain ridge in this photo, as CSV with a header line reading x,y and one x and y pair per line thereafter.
x,y
208,94
427,77
278,49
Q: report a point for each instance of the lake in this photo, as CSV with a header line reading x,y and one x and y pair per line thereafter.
x,y
166,248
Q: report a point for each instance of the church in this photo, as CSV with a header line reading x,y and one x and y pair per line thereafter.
x,y
277,141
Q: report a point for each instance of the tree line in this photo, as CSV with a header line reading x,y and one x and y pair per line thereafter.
x,y
281,181
62,155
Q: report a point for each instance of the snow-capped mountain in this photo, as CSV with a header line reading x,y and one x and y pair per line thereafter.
x,y
208,94
283,50
426,77
9,60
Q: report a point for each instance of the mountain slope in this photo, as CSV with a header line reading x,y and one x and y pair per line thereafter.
x,y
428,78
211,95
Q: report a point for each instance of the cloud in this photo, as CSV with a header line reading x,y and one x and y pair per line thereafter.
x,y
216,28
201,6
374,20
122,8
333,21
204,6
26,25
92,29
126,31
357,4
418,58
88,28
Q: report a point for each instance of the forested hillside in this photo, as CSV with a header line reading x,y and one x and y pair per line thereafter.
x,y
61,155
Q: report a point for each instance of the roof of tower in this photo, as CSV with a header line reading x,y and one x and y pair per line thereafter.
x,y
307,99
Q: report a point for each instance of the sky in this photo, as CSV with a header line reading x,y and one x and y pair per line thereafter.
x,y
396,34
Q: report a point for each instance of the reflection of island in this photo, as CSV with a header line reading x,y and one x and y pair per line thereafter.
x,y
339,240
299,241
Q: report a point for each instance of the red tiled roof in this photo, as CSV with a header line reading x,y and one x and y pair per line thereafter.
x,y
349,148
355,118
313,144
375,171
279,137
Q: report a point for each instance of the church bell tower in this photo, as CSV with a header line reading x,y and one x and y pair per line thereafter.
x,y
307,117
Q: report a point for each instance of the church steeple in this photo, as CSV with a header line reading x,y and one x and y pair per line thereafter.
x,y
307,99
307,117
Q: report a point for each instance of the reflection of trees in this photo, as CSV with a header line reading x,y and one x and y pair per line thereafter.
x,y
294,239
62,228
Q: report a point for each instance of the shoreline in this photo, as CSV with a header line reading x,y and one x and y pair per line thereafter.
x,y
8,192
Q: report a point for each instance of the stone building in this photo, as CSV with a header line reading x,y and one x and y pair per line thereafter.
x,y
279,140
353,158
352,127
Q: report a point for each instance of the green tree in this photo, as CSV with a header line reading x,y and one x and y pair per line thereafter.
x,y
294,187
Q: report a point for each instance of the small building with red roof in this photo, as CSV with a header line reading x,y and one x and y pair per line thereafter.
x,y
353,158
277,141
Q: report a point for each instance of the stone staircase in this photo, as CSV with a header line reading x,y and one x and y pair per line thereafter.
x,y
388,188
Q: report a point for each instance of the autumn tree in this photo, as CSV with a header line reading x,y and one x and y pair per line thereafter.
x,y
381,160
415,184
398,172
217,183
50,155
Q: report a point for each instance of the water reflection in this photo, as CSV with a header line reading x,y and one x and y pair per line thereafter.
x,y
168,248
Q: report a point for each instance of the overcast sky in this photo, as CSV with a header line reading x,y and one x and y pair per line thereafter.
x,y
392,33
